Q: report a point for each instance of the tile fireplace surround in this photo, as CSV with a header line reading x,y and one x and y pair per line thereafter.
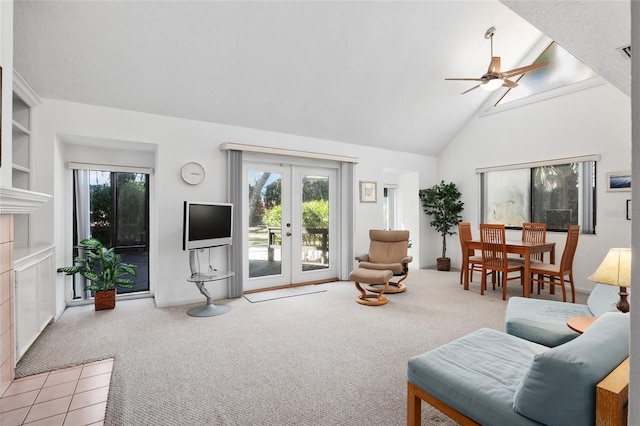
x,y
12,201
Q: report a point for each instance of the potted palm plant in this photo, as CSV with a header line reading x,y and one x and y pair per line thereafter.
x,y
442,203
104,270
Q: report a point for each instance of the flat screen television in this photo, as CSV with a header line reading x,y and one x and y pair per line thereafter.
x,y
207,225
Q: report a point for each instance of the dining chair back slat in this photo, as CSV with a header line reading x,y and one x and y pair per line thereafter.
x,y
544,273
494,256
473,262
494,248
535,233
573,233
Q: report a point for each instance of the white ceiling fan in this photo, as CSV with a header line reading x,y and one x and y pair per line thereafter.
x,y
494,78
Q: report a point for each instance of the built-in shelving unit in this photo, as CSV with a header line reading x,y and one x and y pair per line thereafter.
x,y
33,268
21,142
24,100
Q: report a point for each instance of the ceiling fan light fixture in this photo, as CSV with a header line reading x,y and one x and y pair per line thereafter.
x,y
492,84
493,79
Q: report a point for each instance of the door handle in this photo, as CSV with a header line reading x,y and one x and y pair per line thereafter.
x,y
288,234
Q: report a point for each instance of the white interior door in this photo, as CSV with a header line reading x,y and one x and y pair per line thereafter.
x,y
290,224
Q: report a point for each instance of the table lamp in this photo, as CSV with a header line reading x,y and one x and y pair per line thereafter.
x,y
615,269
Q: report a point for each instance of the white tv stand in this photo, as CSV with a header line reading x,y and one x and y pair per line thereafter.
x,y
209,309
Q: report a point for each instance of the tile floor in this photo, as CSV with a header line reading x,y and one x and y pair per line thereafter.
x,y
72,396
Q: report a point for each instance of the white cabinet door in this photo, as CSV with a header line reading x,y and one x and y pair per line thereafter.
x,y
34,291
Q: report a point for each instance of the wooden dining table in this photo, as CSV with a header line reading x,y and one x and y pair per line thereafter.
x,y
523,248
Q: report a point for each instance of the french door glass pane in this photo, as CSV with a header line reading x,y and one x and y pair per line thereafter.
x,y
315,222
119,206
131,226
101,206
265,223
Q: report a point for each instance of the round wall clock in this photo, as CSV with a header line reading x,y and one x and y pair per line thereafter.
x,y
192,173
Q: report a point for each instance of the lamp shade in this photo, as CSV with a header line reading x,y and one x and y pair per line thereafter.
x,y
615,269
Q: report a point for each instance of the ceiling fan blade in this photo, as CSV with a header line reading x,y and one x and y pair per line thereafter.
x,y
523,70
465,79
467,91
494,66
510,84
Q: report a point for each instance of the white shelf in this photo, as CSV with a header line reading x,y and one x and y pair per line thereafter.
x,y
20,128
28,256
20,168
23,100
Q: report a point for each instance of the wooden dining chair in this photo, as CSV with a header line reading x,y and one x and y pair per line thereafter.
x,y
535,233
494,257
473,262
547,273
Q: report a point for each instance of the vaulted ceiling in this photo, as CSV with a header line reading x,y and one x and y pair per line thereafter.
x,y
369,73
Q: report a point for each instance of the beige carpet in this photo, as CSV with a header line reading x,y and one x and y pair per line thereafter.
x,y
264,296
320,359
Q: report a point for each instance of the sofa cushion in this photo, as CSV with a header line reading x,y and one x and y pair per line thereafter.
x,y
603,298
559,387
542,321
477,375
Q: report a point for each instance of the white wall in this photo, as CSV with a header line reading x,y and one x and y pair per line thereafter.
x,y
592,121
6,62
634,374
63,126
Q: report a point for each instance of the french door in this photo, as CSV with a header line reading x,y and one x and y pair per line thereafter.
x,y
289,228
116,212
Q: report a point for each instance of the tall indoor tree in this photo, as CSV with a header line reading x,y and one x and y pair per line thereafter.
x,y
442,203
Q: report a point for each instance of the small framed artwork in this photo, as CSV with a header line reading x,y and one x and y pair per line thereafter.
x,y
619,181
368,192
629,210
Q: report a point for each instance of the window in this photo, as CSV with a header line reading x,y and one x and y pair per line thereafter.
x,y
113,207
563,70
558,193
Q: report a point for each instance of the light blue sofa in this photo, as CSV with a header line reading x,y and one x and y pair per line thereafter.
x,y
545,321
492,378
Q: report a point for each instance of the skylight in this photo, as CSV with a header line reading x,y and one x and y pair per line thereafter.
x,y
564,69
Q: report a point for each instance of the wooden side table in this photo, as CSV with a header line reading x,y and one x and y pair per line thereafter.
x,y
580,324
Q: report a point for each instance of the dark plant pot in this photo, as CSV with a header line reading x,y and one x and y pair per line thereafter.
x,y
444,264
103,300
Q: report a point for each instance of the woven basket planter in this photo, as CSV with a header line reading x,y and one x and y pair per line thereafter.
x,y
104,300
443,264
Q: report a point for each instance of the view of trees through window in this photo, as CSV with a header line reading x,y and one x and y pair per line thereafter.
x,y
548,194
130,208
555,195
266,207
308,217
119,216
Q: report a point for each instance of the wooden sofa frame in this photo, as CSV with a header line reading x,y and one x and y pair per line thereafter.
x,y
612,398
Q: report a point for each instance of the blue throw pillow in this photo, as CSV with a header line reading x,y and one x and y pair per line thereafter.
x,y
560,386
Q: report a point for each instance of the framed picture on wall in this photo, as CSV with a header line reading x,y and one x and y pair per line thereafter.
x,y
619,181
368,192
